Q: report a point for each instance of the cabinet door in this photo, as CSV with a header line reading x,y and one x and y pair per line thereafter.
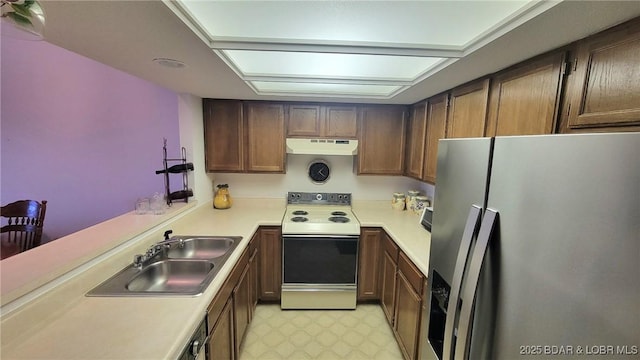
x,y
389,253
468,110
303,120
220,345
223,135
389,268
605,86
416,130
436,129
407,317
368,264
265,137
270,263
341,122
525,100
254,278
241,308
382,139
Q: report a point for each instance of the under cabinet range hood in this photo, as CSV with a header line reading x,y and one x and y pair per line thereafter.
x,y
322,146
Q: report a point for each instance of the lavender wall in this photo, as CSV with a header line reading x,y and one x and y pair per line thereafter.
x,y
82,135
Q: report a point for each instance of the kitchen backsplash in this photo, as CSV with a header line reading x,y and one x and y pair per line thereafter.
x,y
342,179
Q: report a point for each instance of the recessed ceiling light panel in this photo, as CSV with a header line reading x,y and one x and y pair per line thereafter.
x,y
304,89
392,22
359,48
315,65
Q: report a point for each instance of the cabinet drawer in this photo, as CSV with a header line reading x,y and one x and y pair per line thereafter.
x,y
389,246
411,273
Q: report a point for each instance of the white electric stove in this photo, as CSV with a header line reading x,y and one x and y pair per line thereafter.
x,y
320,237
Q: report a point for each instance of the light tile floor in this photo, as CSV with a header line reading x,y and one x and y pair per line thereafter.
x,y
319,334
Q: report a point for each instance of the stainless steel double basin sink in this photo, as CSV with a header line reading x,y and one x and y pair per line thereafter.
x,y
182,265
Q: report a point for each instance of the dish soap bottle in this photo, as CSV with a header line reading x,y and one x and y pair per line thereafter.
x,y
222,198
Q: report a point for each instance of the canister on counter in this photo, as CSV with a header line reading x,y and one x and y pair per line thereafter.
x,y
398,201
420,204
411,199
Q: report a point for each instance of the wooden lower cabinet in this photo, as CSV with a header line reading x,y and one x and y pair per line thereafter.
x,y
385,273
221,345
369,264
402,296
254,276
270,263
231,311
408,307
388,277
241,308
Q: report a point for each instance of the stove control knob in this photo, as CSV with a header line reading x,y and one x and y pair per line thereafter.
x,y
318,196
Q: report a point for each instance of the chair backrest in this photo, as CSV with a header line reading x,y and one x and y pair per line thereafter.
x,y
23,223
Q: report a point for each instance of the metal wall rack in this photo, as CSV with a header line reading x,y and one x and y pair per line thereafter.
x,y
182,167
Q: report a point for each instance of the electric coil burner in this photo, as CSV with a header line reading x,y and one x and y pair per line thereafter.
x,y
320,238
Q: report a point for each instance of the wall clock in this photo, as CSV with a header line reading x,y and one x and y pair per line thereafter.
x,y
319,171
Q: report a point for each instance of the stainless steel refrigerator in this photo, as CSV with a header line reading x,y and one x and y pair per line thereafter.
x,y
535,248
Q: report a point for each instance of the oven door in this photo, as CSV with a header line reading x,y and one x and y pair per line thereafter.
x,y
319,271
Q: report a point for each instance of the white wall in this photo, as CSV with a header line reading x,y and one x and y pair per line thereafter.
x,y
342,179
192,139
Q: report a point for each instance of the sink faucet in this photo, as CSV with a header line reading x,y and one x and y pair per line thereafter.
x,y
140,259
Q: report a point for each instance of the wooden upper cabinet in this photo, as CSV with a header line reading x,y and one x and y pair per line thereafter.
x,y
341,121
224,135
468,110
303,120
605,86
381,140
525,100
436,129
416,131
265,137
331,121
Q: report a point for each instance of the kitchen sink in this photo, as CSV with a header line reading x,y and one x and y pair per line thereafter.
x,y
181,265
172,276
200,247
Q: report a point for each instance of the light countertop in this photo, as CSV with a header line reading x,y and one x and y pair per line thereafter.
x,y
64,324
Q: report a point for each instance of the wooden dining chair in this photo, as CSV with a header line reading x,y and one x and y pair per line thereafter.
x,y
22,223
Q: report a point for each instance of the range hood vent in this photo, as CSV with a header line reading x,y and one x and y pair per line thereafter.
x,y
322,146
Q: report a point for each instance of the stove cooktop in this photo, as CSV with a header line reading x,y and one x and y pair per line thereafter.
x,y
320,214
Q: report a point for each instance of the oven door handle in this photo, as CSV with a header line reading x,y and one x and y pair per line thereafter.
x,y
320,237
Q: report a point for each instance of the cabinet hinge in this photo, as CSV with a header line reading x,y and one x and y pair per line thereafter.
x,y
566,68
569,66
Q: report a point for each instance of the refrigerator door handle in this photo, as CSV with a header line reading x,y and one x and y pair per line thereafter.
x,y
470,290
470,229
